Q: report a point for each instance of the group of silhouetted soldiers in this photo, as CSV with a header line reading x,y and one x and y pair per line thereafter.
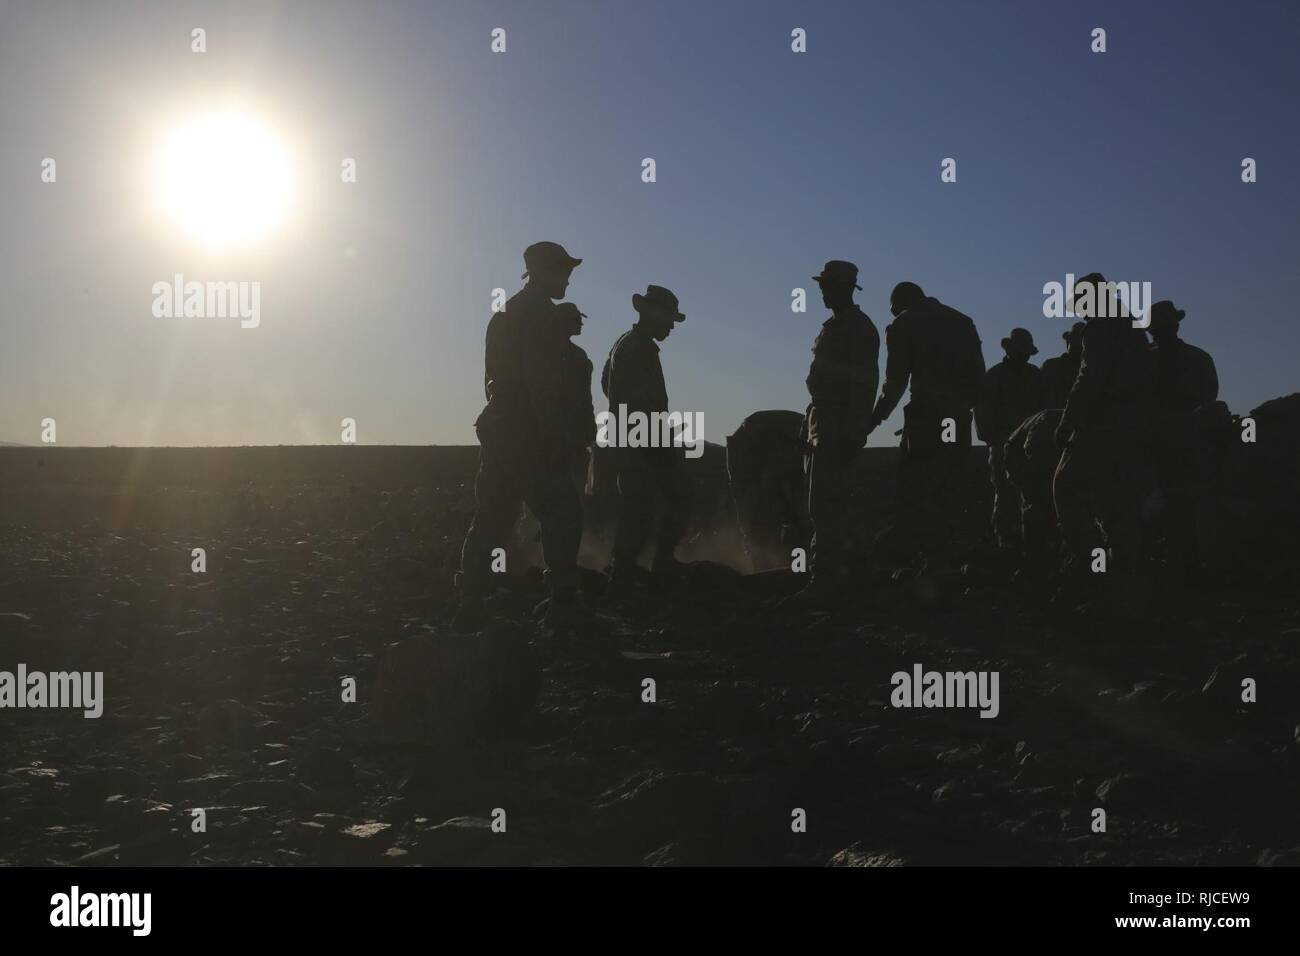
x,y
539,424
1076,448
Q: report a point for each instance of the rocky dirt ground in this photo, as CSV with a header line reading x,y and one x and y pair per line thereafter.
x,y
223,692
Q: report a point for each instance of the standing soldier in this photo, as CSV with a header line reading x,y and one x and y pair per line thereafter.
x,y
937,349
1103,475
522,451
1057,373
1010,393
573,393
842,387
633,381
1186,381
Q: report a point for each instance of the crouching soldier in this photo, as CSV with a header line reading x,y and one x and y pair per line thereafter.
x,y
765,472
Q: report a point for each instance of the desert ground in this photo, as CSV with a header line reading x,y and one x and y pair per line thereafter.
x,y
224,690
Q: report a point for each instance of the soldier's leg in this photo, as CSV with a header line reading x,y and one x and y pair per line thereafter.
x,y
636,508
1073,490
554,499
829,474
916,499
1121,489
497,497
1006,500
674,491
746,496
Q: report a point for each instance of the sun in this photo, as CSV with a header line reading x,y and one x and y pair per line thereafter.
x,y
224,178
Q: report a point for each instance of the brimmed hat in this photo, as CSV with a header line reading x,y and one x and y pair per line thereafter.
x,y
567,310
839,272
1021,340
658,299
1164,311
548,255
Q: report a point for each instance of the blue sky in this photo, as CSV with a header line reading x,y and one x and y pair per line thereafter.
x,y
375,295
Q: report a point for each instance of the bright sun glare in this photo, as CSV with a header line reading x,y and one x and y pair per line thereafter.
x,y
224,178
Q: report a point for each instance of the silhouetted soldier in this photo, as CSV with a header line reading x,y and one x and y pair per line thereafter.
x,y
633,381
1030,458
765,473
937,349
1010,393
842,387
1057,374
1103,474
573,392
1186,381
523,455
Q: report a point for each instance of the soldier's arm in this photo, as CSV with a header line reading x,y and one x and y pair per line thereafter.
x,y
1013,455
975,369
631,382
863,375
984,405
1209,381
898,370
584,401
492,357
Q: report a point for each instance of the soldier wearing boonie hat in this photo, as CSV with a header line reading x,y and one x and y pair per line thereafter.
x,y
1186,381
1011,392
841,384
633,381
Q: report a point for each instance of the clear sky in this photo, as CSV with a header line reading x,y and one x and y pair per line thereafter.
x,y
375,294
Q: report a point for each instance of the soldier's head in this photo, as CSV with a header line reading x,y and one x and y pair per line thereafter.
x,y
548,266
1074,338
904,296
1164,321
837,280
657,311
568,319
1019,346
1094,297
